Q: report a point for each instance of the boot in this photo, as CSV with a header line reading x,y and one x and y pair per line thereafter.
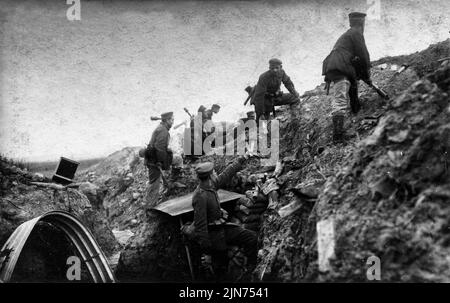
x,y
338,128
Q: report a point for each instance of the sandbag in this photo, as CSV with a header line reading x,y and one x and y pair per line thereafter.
x,y
245,201
243,209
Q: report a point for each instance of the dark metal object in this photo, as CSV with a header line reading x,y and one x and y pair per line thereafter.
x,y
78,234
187,112
65,171
379,91
250,90
183,204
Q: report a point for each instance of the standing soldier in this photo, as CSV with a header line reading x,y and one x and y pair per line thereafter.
x,y
158,158
348,62
207,114
267,93
211,229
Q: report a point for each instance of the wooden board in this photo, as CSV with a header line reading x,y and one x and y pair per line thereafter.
x,y
183,204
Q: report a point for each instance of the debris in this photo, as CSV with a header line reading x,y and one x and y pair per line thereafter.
x,y
325,243
290,208
38,177
399,137
269,186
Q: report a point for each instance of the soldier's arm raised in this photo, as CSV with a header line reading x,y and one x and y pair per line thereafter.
x,y
289,85
229,172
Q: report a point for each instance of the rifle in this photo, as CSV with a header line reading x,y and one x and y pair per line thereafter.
x,y
178,125
250,90
356,61
379,91
186,110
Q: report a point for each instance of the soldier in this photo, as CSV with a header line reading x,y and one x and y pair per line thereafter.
x,y
158,158
348,62
250,116
207,114
211,229
267,93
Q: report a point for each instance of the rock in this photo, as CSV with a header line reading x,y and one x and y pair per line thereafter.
x,y
122,236
155,253
394,67
399,137
310,188
290,208
38,177
93,193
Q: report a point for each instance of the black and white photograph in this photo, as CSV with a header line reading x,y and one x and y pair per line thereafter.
x,y
194,144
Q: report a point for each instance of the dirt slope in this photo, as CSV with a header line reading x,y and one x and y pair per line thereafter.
x,y
386,190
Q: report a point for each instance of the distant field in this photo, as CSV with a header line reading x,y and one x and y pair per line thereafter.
x,y
48,168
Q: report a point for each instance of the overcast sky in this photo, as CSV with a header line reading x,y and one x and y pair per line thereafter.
x,y
87,88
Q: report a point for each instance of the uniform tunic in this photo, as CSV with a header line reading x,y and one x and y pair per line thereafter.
x,y
269,83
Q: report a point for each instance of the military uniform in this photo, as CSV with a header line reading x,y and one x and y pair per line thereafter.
x,y
211,231
158,162
339,67
267,93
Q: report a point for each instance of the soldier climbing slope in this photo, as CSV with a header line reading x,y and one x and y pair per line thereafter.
x,y
208,114
158,158
211,229
348,62
267,93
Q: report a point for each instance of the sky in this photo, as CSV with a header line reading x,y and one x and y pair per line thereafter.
x,y
87,88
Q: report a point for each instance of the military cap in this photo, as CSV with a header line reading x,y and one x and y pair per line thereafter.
x,y
356,18
215,106
356,15
201,108
167,115
251,114
204,168
275,62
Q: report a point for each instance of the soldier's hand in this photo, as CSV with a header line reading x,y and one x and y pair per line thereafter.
x,y
206,260
250,154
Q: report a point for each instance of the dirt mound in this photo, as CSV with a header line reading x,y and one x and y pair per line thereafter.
x,y
384,190
422,62
390,199
21,201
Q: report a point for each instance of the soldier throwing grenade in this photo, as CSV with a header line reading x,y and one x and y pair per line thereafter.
x,y
211,229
